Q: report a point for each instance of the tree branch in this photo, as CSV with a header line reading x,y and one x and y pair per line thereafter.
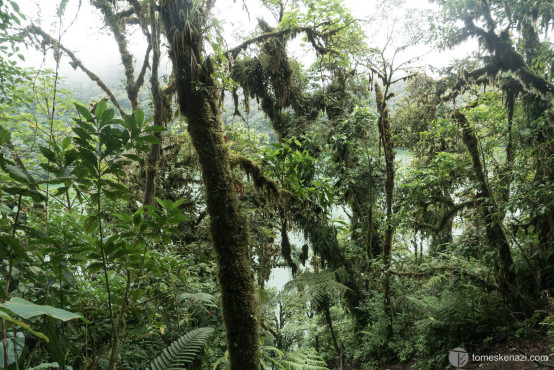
x,y
275,34
444,219
145,64
124,14
118,30
487,15
261,181
76,63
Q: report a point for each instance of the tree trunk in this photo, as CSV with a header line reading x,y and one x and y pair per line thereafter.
x,y
329,320
388,149
198,103
162,112
230,237
544,223
504,267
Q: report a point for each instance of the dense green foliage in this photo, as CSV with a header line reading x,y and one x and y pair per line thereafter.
x,y
411,212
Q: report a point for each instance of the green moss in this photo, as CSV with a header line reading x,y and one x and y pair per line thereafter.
x,y
198,102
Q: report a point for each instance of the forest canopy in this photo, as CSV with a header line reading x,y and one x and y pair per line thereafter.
x,y
276,184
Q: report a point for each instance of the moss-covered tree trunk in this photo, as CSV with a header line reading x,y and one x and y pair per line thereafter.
x,y
162,110
504,266
229,232
197,94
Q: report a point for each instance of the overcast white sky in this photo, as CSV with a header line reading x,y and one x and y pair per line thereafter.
x,y
98,50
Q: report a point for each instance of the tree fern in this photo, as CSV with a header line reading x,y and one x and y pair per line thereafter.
x,y
436,281
304,359
204,299
315,287
183,351
267,358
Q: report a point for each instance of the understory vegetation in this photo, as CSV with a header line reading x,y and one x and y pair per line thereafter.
x,y
144,219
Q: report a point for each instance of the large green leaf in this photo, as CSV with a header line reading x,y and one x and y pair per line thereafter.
x,y
14,244
100,108
4,136
84,112
47,153
139,117
25,309
37,196
107,115
90,224
18,174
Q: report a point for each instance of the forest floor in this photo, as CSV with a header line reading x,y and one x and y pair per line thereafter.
x,y
528,345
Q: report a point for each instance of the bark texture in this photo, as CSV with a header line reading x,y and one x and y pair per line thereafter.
x,y
199,103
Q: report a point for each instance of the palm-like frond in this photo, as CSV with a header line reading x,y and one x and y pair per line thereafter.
x,y
304,359
315,287
204,299
183,351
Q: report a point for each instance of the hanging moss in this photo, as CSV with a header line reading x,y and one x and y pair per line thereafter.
x,y
262,183
304,255
269,78
286,248
503,58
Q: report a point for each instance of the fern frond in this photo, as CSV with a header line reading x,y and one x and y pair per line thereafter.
x,y
316,287
183,351
436,280
203,299
305,359
267,349
417,305
224,361
342,275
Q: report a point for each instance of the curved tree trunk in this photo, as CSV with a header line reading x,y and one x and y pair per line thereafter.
x,y
504,267
198,103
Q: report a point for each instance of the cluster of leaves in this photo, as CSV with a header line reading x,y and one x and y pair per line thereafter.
x,y
10,73
78,244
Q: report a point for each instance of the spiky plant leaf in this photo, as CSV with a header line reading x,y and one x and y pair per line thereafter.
x,y
183,351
